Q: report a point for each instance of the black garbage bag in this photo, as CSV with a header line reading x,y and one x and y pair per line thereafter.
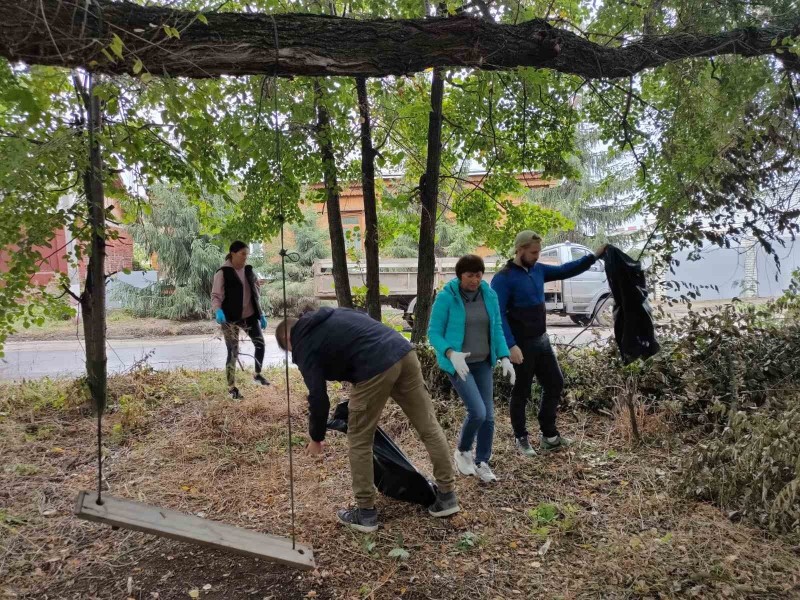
x,y
395,476
633,320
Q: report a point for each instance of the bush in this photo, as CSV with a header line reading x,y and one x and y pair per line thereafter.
x,y
299,296
753,466
732,376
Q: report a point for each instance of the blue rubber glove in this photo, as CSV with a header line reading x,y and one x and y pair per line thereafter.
x,y
263,322
220,316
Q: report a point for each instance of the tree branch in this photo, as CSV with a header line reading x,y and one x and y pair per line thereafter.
x,y
318,45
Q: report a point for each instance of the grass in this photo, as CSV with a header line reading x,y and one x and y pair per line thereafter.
x,y
602,520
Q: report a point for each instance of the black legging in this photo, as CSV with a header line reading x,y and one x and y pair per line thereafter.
x,y
230,331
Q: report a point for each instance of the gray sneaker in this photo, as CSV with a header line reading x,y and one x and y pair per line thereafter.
x,y
446,504
524,446
360,519
555,443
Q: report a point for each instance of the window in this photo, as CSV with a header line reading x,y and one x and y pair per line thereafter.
x,y
578,253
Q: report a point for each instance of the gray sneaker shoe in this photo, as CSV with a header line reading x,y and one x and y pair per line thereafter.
x,y
524,446
446,504
360,519
553,444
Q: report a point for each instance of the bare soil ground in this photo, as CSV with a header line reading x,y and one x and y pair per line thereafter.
x,y
602,520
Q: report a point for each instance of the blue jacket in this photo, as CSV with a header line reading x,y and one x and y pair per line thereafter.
x,y
340,344
449,318
520,294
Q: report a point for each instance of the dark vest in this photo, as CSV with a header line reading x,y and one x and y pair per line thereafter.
x,y
234,293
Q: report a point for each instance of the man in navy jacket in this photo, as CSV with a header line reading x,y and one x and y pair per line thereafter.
x,y
346,345
520,290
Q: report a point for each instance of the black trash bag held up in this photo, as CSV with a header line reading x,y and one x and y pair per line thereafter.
x,y
633,320
395,476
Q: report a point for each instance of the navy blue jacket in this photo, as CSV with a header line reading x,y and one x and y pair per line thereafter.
x,y
520,293
340,344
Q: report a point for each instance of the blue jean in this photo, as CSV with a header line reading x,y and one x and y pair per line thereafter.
x,y
477,394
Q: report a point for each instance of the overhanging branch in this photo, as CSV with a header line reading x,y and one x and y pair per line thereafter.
x,y
74,33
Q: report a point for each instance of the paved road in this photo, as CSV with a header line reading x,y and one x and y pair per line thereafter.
x,y
33,360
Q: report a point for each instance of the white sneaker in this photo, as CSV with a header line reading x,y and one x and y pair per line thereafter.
x,y
475,452
485,473
464,462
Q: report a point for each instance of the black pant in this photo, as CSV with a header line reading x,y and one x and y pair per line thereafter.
x,y
230,331
540,362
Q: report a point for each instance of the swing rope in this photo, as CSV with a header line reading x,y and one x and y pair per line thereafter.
x,y
90,121
284,254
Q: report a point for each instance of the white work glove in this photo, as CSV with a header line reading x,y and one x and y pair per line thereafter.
x,y
508,369
459,360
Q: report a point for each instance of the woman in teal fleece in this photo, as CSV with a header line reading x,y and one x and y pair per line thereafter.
x,y
467,333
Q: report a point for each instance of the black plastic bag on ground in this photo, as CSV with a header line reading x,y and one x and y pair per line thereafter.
x,y
394,475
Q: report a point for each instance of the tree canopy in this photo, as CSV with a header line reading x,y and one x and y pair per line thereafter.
x,y
701,95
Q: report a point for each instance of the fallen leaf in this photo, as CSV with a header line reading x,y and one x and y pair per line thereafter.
x,y
545,547
194,593
207,587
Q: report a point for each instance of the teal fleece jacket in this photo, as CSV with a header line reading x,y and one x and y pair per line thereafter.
x,y
448,320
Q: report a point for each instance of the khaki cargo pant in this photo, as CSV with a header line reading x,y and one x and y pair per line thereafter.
x,y
402,381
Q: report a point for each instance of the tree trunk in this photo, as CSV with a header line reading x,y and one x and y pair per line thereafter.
x,y
76,33
370,204
93,299
429,192
341,280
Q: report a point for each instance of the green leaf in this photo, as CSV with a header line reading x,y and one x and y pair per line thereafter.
x,y
137,66
202,18
116,45
107,54
146,78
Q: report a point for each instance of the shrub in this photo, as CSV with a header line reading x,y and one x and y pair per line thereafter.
x,y
753,466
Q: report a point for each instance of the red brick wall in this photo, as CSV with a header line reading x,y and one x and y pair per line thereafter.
x,y
119,254
53,260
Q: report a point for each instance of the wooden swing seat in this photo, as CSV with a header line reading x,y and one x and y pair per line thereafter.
x,y
187,528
